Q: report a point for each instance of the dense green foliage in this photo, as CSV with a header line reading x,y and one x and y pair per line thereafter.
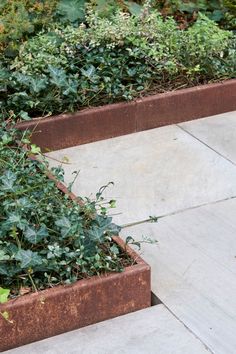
x,y
46,238
21,18
67,67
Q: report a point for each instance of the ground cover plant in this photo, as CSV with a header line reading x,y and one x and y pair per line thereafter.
x,y
46,238
66,67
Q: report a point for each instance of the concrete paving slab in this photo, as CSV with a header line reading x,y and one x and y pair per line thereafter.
x,y
151,331
155,172
194,270
219,132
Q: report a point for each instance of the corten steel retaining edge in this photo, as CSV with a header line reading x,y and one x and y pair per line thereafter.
x,y
89,125
50,312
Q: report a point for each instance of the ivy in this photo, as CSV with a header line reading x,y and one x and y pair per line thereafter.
x,y
68,68
45,238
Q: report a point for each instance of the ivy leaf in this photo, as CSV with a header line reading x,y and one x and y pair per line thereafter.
x,y
65,226
3,256
34,149
134,8
15,220
58,76
89,72
8,181
71,10
24,115
5,315
103,222
24,203
217,15
4,293
129,239
71,87
38,85
4,270
35,236
28,258
114,249
96,234
114,229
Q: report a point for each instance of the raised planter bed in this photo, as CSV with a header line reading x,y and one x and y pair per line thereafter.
x,y
64,308
53,311
66,130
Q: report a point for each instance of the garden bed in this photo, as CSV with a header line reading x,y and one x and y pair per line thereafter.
x,y
66,130
62,265
64,308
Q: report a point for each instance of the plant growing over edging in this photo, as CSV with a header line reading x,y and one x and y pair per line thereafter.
x,y
46,238
4,293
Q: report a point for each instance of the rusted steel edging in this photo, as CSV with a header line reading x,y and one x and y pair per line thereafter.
x,y
46,313
89,125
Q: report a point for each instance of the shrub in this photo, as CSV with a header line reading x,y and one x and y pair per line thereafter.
x,y
113,59
21,18
46,238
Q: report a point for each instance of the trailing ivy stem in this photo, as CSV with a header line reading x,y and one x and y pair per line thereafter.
x,y
18,241
33,283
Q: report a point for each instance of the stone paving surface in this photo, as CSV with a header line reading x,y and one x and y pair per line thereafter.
x,y
151,331
157,171
189,172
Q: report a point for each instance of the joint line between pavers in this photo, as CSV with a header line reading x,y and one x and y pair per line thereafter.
x,y
208,146
196,206
176,212
189,329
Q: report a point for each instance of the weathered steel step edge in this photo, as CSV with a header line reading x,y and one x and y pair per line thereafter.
x,y
68,307
89,125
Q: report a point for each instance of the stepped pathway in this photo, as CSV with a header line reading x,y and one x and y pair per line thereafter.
x,y
186,172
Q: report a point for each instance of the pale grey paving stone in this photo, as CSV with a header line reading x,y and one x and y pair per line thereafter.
x,y
194,270
150,331
156,171
219,132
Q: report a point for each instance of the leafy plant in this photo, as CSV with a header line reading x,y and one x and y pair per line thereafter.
x,y
113,59
4,293
20,19
46,238
71,10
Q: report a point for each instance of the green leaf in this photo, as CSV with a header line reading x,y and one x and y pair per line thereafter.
x,y
96,234
24,115
217,15
24,203
114,229
114,249
16,220
35,236
34,149
65,226
129,239
4,270
89,72
58,76
71,10
71,87
112,203
38,85
28,258
4,293
134,8
5,315
3,256
8,180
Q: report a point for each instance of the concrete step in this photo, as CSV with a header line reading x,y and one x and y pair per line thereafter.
x,y
151,331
